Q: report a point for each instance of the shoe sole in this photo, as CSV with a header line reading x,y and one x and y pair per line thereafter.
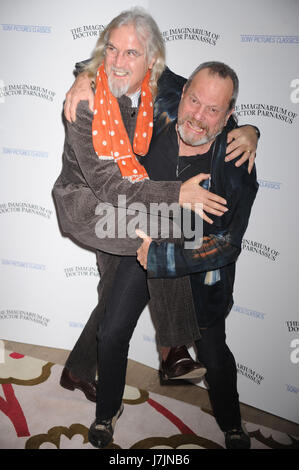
x,y
193,374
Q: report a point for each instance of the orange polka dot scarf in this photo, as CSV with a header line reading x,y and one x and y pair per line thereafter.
x,y
110,139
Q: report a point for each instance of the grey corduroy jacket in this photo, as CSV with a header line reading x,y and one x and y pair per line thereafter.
x,y
86,186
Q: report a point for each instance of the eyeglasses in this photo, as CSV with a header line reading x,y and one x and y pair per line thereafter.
x,y
131,54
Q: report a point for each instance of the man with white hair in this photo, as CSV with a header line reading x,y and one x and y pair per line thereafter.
x,y
99,164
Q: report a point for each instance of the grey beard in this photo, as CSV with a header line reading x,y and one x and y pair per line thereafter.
x,y
192,142
117,91
196,143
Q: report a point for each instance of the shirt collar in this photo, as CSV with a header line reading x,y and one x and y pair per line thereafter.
x,y
135,98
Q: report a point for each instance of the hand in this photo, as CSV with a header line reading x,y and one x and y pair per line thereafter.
x,y
192,193
142,251
242,140
80,91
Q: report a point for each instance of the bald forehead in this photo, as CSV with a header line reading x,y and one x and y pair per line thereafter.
x,y
209,82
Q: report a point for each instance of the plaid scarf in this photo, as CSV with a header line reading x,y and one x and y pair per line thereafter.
x,y
110,139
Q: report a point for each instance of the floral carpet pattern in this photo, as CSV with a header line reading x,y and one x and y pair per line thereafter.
x,y
37,413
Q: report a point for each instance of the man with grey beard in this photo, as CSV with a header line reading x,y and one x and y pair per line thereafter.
x,y
196,144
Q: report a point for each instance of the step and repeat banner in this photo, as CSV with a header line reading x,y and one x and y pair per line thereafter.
x,y
48,282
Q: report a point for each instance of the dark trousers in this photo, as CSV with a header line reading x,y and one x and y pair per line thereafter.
x,y
171,308
221,375
82,361
128,297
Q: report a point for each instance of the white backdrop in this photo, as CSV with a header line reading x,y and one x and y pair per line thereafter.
x,y
48,283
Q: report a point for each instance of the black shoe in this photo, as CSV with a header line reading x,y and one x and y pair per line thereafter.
x,y
180,365
237,439
70,382
100,433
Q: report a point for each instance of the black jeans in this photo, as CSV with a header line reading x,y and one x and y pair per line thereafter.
x,y
128,297
221,375
82,361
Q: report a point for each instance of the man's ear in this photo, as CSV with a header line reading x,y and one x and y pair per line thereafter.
x,y
228,115
152,63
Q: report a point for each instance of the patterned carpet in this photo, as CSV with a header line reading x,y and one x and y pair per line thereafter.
x,y
37,413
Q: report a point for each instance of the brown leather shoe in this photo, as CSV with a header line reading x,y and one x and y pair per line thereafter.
x,y
180,365
70,381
